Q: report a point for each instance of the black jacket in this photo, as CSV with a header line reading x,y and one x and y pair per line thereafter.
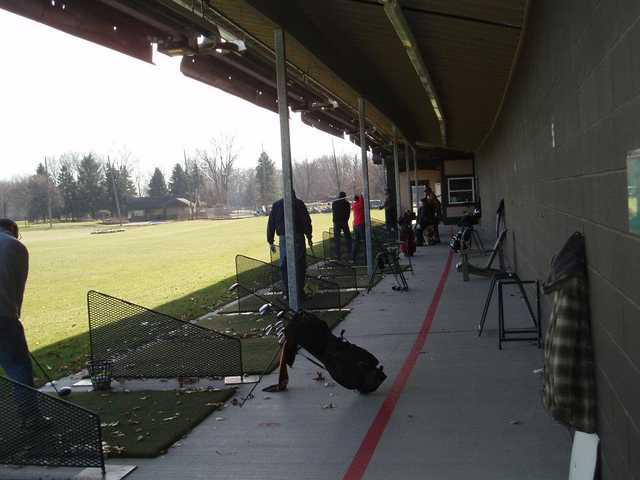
x,y
14,268
301,219
341,210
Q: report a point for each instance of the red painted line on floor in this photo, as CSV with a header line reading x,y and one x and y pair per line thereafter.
x,y
368,446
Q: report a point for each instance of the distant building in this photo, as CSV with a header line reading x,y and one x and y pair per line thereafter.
x,y
164,208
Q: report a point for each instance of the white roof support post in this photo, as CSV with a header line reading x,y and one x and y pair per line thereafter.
x,y
407,169
365,184
287,180
396,175
415,178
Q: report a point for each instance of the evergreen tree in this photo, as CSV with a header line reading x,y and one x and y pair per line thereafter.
x,y
248,194
90,185
127,184
179,183
265,178
68,188
120,178
37,195
157,185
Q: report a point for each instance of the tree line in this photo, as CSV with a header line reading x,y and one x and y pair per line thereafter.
x,y
80,186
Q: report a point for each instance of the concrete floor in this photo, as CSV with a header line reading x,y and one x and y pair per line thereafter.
x,y
467,411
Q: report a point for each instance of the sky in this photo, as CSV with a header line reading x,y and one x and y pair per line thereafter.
x,y
59,93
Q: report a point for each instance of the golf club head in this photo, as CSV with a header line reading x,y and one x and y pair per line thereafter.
x,y
234,287
265,309
280,314
268,330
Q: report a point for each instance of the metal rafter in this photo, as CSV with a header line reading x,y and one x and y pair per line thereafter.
x,y
394,12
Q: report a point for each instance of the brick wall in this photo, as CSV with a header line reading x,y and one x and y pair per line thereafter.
x,y
579,71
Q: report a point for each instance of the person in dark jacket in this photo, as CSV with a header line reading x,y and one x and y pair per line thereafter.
x,y
14,352
421,222
429,218
303,228
341,211
390,212
437,208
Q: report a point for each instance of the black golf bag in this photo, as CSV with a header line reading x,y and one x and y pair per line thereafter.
x,y
351,366
463,236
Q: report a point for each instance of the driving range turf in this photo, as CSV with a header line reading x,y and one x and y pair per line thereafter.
x,y
179,268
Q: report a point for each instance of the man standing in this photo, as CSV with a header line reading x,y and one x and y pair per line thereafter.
x,y
358,225
422,221
390,213
341,210
302,229
429,217
14,268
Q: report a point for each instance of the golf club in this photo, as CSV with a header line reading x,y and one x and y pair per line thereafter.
x,y
266,370
267,308
63,392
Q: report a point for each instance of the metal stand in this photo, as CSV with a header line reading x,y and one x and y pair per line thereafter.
x,y
510,278
519,332
487,270
475,238
389,259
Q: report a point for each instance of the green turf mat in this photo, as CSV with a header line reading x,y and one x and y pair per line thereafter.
x,y
258,352
243,325
247,325
319,301
147,423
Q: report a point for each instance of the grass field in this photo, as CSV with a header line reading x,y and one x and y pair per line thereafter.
x,y
182,269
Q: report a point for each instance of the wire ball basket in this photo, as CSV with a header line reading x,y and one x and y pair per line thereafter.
x,y
101,372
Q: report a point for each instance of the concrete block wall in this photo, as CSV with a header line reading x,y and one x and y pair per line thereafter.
x,y
558,157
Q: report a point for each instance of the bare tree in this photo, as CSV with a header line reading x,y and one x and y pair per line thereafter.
x,y
338,170
70,160
305,179
218,166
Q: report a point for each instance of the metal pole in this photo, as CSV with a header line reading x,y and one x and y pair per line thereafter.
x,y
415,178
407,168
396,174
46,171
287,183
365,184
115,190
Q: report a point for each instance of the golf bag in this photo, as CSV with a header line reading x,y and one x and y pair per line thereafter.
x,y
407,237
407,242
349,365
463,236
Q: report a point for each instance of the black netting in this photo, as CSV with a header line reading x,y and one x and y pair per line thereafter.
x,y
328,247
342,274
324,294
381,236
256,275
140,343
310,257
42,430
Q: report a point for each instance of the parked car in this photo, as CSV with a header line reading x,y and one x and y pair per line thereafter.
x,y
379,204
